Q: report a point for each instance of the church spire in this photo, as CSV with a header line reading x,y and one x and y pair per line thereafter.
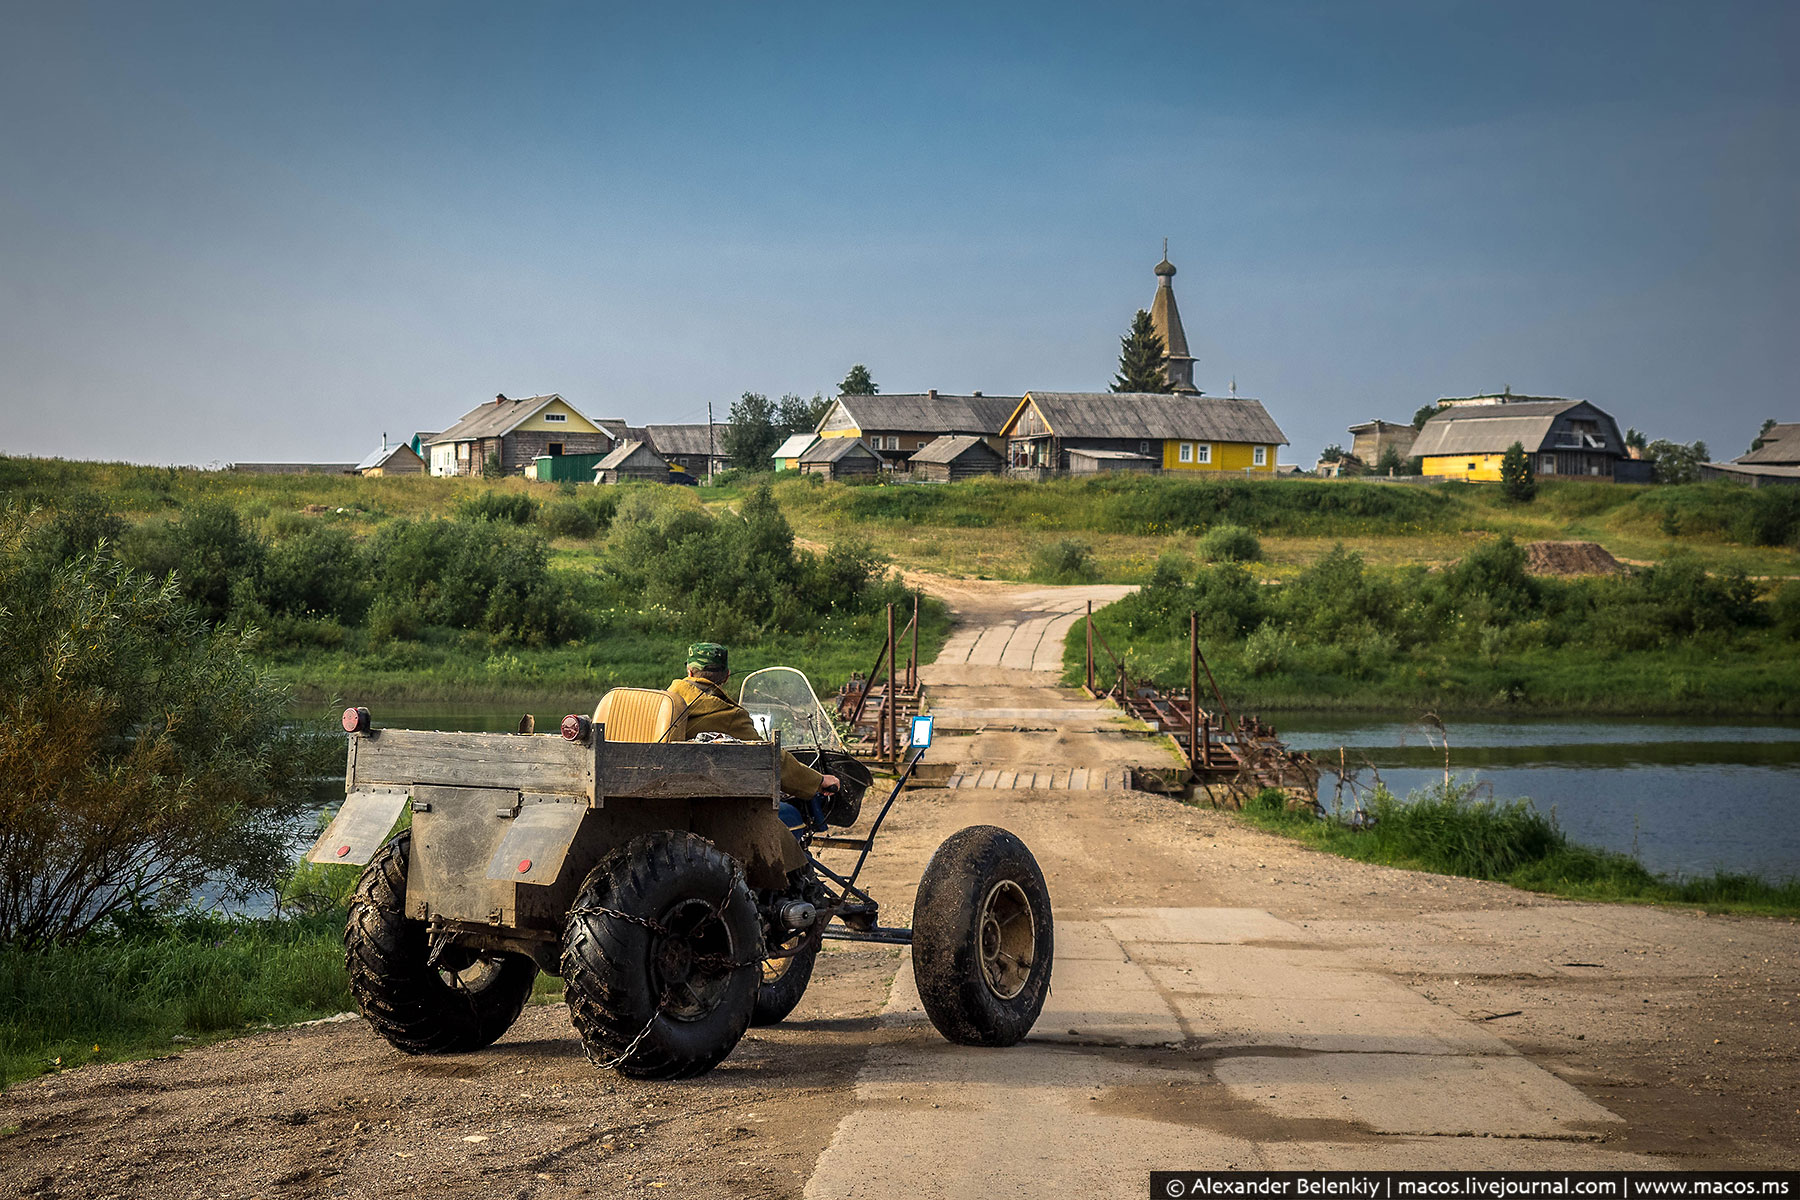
x,y
1165,318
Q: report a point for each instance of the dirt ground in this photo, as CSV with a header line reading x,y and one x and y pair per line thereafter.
x,y
1681,1024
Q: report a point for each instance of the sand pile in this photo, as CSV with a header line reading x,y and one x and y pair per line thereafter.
x,y
1569,558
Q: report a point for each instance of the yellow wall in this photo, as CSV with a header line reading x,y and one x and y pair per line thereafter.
x,y
576,423
851,432
1226,456
1457,466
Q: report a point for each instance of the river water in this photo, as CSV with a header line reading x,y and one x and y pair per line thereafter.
x,y
1686,797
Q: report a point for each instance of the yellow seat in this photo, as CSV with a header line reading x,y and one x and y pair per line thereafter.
x,y
640,715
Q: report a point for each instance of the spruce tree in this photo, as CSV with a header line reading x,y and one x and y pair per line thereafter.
x,y
1516,476
858,383
1142,359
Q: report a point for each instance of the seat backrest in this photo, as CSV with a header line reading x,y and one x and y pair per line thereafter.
x,y
639,715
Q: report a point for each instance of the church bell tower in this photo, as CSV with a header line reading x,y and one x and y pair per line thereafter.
x,y
1165,318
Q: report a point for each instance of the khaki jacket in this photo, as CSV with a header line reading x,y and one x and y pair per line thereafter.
x,y
710,710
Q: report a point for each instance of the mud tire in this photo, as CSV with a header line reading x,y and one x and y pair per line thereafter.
x,y
778,996
419,1008
618,973
983,938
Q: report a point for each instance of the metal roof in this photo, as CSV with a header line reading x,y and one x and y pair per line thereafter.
x,y
498,417
795,446
688,439
950,448
1781,447
1154,415
1110,455
1493,428
832,449
377,457
915,413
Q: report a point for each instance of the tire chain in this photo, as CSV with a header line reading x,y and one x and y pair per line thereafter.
x,y
658,928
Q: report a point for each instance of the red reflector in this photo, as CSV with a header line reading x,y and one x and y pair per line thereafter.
x,y
524,865
572,727
356,720
343,850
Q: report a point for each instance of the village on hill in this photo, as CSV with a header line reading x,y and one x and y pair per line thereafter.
x,y
1153,420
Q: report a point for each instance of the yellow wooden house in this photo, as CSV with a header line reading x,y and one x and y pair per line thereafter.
x,y
1083,432
518,432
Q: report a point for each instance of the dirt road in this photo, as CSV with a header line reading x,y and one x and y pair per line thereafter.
x,y
1220,997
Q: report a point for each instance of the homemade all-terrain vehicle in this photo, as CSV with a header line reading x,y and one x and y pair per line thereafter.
x,y
666,880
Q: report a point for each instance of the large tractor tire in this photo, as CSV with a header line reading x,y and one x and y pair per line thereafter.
x,y
463,1002
784,980
660,957
982,938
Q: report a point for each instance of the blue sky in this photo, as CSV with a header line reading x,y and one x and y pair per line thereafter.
x,y
259,231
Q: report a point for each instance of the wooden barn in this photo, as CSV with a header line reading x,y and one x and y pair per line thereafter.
x,y
952,458
1084,461
631,460
841,458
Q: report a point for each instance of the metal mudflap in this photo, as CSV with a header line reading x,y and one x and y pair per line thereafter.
x,y
360,826
538,839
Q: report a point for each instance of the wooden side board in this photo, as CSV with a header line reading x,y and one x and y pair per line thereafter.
x,y
548,763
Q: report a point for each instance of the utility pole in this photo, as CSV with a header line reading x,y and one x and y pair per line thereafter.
x,y
709,441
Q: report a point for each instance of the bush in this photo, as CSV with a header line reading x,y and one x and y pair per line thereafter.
x,y
1066,560
581,516
142,751
318,572
1784,607
1494,575
514,507
1772,518
1267,651
1230,543
482,576
210,551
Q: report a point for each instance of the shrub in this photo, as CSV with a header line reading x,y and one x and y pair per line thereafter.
x,y
1066,560
514,507
1267,651
317,572
1494,573
481,576
1784,607
1771,519
581,516
1230,543
1517,480
210,550
80,527
142,751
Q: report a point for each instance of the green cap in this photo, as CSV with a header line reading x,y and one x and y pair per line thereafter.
x,y
708,656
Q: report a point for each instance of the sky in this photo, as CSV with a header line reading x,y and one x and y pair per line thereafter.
x,y
275,232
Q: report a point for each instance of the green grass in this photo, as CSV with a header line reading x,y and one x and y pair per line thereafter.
x,y
1445,830
198,978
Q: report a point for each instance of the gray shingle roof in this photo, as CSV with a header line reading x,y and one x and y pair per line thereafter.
x,y
1151,415
917,413
1492,428
832,449
497,417
948,449
688,439
1781,447
379,456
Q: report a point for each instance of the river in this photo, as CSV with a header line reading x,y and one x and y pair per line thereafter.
x,y
1687,797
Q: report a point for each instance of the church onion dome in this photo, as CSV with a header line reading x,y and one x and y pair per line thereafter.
x,y
1165,268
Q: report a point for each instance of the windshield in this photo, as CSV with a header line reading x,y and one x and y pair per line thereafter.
x,y
781,699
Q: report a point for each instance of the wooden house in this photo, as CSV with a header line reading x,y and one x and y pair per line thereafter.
x,y
692,447
632,460
950,458
841,458
1370,440
516,432
1154,431
1780,448
902,425
397,459
1569,438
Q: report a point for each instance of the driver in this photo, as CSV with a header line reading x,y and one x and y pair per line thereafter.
x,y
709,710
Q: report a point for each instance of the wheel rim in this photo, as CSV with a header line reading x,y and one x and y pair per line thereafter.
x,y
469,971
1007,934
691,963
774,968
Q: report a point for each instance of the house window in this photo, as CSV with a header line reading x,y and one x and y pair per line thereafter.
x,y
1262,456
1143,447
556,416
1203,452
894,442
554,450
1186,453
